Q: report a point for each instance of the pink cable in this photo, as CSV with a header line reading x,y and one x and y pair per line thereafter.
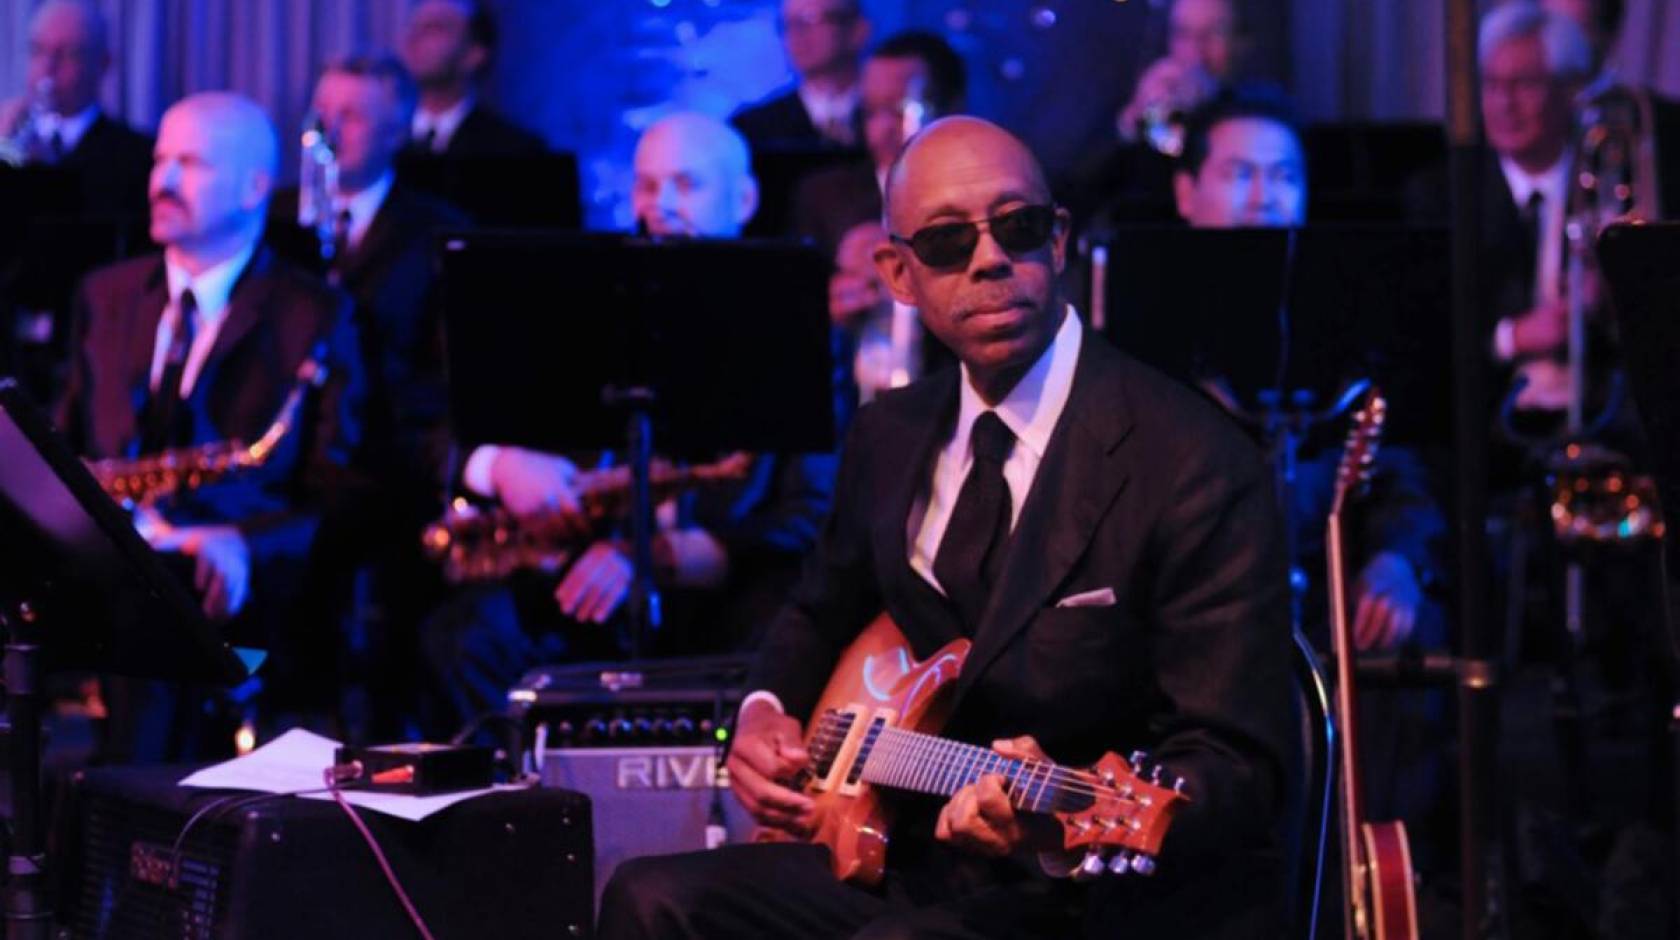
x,y
384,865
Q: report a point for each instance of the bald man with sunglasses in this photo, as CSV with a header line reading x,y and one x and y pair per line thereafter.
x,y
1106,539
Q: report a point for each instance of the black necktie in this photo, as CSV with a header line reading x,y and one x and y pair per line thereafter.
x,y
971,553
168,423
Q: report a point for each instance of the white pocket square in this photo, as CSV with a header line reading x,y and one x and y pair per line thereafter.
x,y
1101,597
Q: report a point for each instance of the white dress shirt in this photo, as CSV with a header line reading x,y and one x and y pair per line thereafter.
x,y
70,130
1030,411
832,113
1552,185
364,206
442,125
211,290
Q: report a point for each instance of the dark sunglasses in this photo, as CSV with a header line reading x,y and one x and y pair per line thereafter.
x,y
950,244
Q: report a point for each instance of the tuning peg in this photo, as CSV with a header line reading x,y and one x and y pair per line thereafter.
x,y
1136,760
1155,774
1178,785
1143,864
1120,864
1107,778
1090,866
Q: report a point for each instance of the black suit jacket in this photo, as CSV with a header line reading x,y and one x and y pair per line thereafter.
x,y
276,316
485,133
781,122
392,276
1505,265
114,162
1148,491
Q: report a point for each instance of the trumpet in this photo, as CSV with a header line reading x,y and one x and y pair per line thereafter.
x,y
475,544
144,480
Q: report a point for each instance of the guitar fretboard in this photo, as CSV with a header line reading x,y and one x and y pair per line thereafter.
x,y
908,760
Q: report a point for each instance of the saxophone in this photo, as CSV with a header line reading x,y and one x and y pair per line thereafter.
x,y
142,481
486,544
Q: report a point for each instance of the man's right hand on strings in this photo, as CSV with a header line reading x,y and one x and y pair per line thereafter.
x,y
769,750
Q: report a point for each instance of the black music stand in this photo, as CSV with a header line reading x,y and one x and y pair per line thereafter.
x,y
557,342
79,589
515,191
1283,324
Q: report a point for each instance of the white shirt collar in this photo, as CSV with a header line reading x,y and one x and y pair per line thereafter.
x,y
365,205
69,129
1033,406
1549,183
826,107
211,288
444,123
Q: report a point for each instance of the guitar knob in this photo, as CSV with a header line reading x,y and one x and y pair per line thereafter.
x,y
1143,865
1120,864
1091,866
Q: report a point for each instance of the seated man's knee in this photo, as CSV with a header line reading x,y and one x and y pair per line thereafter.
x,y
646,892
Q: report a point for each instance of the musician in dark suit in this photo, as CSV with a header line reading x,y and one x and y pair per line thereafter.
x,y
823,39
1602,22
910,69
381,235
449,46
1107,540
202,344
59,121
380,242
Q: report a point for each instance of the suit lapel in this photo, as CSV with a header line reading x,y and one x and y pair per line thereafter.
x,y
245,307
917,607
139,348
379,235
1082,472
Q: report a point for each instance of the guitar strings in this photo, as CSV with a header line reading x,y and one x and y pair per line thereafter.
x,y
898,740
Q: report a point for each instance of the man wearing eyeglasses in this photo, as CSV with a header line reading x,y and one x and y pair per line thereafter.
x,y
1109,544
823,39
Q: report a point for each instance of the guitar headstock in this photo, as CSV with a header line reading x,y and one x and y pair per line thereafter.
x,y
1131,807
1359,454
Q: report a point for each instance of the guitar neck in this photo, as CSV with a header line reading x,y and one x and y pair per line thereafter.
x,y
908,760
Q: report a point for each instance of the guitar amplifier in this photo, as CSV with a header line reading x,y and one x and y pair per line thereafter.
x,y
511,864
681,702
645,741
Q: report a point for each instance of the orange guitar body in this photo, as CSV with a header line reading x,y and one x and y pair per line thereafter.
x,y
876,676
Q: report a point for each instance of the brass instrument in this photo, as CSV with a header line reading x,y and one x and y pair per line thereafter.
x,y
317,185
25,140
1598,500
144,480
482,545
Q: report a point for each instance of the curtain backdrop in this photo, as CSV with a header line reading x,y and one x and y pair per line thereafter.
x,y
589,73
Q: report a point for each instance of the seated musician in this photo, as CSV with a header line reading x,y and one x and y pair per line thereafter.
x,y
59,120
1243,165
450,46
726,555
202,344
375,236
1110,544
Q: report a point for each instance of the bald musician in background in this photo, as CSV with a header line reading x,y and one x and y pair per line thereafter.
x,y
201,344
727,554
